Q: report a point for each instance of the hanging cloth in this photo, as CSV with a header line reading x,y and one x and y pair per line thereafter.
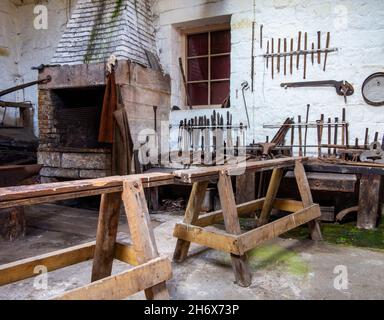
x,y
107,122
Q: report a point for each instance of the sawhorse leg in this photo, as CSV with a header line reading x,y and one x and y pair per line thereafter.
x,y
240,264
142,236
306,198
106,235
192,212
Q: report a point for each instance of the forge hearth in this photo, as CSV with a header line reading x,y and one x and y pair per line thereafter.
x,y
70,110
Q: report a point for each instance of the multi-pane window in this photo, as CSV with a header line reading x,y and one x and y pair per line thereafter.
x,y
208,67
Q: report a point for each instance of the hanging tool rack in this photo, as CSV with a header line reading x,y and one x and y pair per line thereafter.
x,y
302,50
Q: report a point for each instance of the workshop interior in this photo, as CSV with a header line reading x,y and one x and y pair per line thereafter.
x,y
191,150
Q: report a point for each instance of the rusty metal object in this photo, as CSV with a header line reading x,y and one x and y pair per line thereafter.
x,y
343,88
298,50
375,153
25,85
327,47
373,89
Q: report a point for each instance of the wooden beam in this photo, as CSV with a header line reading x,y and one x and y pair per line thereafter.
x,y
306,198
191,216
243,276
215,239
73,187
324,181
272,230
211,173
124,284
369,201
23,269
108,223
242,210
141,231
273,187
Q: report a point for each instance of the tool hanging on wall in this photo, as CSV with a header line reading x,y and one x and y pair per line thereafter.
x,y
318,47
273,56
343,88
327,47
285,56
298,50
244,87
291,62
253,56
261,36
278,54
373,89
305,55
189,101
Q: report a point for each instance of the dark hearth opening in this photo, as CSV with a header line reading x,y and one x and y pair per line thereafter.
x,y
77,116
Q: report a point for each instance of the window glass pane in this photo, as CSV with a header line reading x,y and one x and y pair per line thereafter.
x,y
198,93
198,69
220,42
219,91
198,44
220,67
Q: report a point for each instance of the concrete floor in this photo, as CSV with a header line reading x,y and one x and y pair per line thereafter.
x,y
282,269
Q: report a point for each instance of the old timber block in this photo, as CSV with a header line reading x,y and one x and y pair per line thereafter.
x,y
12,223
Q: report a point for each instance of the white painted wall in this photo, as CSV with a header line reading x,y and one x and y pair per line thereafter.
x,y
9,51
357,29
29,47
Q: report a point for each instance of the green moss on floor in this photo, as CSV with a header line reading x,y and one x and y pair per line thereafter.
x,y
345,234
274,256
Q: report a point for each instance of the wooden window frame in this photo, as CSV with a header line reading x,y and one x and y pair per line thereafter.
x,y
205,29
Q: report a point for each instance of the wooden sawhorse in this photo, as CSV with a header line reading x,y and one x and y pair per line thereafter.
x,y
150,271
233,241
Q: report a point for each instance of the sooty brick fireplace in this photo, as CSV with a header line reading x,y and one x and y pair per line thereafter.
x,y
70,105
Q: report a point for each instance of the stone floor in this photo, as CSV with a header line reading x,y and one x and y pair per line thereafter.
x,y
282,269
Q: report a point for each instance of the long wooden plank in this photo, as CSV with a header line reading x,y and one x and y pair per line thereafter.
x,y
23,269
58,188
218,240
247,208
192,175
272,230
124,284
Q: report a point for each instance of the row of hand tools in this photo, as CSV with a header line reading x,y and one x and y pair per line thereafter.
x,y
212,134
283,53
333,136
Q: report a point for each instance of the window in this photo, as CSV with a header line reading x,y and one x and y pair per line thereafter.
x,y
208,67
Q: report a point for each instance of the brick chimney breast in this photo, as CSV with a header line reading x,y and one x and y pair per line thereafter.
x,y
99,28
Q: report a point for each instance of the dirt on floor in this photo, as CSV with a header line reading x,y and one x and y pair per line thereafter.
x,y
282,269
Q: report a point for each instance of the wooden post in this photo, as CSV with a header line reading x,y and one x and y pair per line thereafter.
x,y
369,199
192,212
141,232
306,198
240,265
12,223
277,175
245,188
106,235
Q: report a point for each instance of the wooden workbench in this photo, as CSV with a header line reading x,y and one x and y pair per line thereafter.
x,y
370,188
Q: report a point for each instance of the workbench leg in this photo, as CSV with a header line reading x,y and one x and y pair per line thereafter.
x,y
306,198
142,236
240,264
274,184
369,200
195,202
106,235
245,188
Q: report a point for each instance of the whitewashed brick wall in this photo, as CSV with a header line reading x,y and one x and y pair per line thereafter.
x,y
357,29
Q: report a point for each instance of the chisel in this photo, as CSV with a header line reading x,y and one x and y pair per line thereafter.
x,y
313,53
326,52
272,62
278,54
267,53
298,50
318,46
291,62
305,55
285,56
